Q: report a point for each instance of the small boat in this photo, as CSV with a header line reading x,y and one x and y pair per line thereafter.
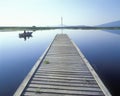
x,y
25,34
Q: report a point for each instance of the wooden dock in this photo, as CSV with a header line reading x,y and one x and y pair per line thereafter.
x,y
62,71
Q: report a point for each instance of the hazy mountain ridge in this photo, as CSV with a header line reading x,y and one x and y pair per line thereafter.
x,y
111,24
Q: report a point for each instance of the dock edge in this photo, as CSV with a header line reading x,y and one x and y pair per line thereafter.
x,y
25,82
96,77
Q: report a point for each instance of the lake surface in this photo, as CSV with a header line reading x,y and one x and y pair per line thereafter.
x,y
17,56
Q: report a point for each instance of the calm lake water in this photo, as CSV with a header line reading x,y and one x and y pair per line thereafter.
x,y
17,56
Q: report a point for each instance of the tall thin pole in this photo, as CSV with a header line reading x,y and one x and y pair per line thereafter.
x,y
62,25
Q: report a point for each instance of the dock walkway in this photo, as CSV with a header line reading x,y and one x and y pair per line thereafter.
x,y
62,71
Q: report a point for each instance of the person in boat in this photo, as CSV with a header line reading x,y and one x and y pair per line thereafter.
x,y
24,32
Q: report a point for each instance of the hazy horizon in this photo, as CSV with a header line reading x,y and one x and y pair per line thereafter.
x,y
49,12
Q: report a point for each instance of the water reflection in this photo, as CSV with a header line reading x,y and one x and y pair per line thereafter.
x,y
114,31
17,57
102,50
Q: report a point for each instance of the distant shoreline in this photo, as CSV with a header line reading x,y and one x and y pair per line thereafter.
x,y
51,28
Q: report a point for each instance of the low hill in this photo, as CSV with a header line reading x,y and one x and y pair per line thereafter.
x,y
111,24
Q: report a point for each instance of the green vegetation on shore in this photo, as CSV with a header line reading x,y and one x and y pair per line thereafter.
x,y
34,28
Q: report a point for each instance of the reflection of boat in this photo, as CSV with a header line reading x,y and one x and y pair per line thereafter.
x,y
25,34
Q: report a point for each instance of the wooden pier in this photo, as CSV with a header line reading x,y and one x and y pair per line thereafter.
x,y
62,71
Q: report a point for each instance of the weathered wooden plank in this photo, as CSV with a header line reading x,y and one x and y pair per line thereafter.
x,y
64,87
60,91
62,72
64,76
57,82
64,83
44,94
79,77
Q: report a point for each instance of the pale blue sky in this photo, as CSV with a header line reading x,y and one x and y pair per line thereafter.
x,y
49,12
